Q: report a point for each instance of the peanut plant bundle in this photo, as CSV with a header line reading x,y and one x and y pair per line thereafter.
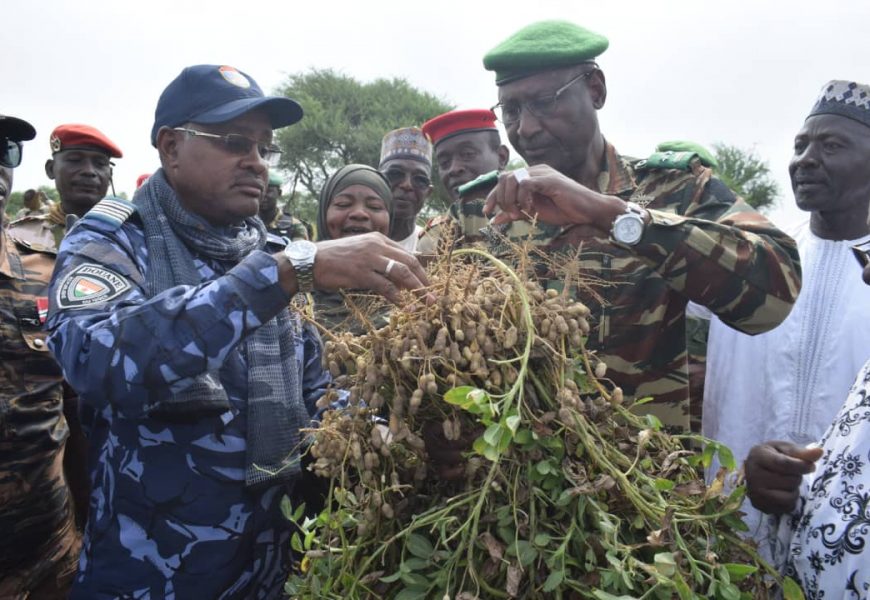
x,y
564,492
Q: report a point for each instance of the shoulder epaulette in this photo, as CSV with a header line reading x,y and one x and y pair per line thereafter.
x,y
704,155
35,247
26,219
667,160
111,210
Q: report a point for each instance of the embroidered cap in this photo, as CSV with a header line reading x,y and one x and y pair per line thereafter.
x,y
845,98
217,94
407,142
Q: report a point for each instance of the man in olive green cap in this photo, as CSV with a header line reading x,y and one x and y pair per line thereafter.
x,y
658,232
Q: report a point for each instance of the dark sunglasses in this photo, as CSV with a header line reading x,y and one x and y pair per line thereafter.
x,y
239,145
397,177
10,153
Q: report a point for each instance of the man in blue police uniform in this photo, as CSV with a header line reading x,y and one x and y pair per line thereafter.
x,y
169,316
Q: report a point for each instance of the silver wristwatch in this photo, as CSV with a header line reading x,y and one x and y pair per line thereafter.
x,y
628,227
301,255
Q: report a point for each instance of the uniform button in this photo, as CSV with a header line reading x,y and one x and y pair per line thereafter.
x,y
38,343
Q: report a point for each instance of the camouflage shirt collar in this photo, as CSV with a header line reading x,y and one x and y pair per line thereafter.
x,y
10,262
616,177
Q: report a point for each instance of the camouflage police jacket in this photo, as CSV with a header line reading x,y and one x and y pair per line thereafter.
x,y
35,511
703,244
170,515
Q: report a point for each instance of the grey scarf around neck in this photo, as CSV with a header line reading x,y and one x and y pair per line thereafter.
x,y
276,410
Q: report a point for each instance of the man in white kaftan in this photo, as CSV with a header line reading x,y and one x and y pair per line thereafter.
x,y
789,383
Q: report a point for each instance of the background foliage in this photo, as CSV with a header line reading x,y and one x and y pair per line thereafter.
x,y
345,120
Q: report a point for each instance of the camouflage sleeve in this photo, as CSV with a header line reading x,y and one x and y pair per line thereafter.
x,y
720,253
298,231
100,316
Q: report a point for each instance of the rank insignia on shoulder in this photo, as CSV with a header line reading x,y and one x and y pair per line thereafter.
x,y
112,210
667,160
90,284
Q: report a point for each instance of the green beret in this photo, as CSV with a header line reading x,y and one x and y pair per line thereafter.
x,y
275,179
707,158
543,46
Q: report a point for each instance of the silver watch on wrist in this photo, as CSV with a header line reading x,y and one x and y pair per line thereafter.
x,y
629,226
301,254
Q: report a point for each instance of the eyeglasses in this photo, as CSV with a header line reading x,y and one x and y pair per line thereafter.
x,y
397,177
240,145
862,253
542,107
10,153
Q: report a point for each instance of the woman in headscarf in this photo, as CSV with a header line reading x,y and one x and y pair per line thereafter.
x,y
355,200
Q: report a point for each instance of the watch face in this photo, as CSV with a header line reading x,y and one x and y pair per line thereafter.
x,y
300,250
628,230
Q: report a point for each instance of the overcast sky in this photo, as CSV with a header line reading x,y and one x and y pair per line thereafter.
x,y
742,72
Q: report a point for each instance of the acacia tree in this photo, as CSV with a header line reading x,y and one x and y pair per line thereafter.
x,y
747,174
344,123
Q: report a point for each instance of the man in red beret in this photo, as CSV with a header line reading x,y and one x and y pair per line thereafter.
x,y
466,145
81,168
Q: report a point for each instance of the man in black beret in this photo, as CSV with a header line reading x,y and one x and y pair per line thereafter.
x,y
658,232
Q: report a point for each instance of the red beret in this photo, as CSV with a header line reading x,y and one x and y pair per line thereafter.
x,y
458,121
67,137
142,179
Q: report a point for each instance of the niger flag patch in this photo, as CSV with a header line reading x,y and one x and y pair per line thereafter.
x,y
88,284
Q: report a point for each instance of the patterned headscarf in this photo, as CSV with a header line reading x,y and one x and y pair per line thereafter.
x,y
343,179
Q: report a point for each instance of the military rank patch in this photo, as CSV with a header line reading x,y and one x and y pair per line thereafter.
x,y
89,284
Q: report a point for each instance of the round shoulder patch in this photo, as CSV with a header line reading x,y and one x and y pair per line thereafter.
x,y
90,284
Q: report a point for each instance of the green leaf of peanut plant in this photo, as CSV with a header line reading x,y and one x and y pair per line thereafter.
x,y
419,546
791,590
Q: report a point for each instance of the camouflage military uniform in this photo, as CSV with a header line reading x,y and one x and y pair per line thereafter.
x,y
39,544
462,224
288,226
703,244
332,312
44,230
170,514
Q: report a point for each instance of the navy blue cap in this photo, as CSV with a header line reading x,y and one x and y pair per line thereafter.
x,y
217,94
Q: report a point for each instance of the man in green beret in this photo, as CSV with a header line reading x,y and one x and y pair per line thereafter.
x,y
276,220
657,233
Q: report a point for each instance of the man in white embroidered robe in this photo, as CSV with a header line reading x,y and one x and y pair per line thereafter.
x,y
789,383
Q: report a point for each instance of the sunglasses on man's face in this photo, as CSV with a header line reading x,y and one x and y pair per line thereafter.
x,y
397,177
239,145
10,153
